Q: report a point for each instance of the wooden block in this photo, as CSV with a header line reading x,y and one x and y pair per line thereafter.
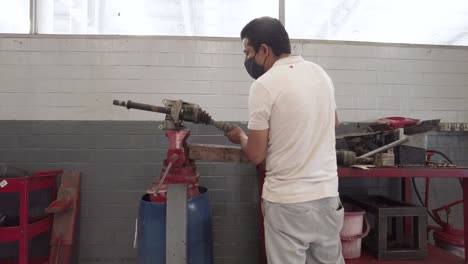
x,y
65,221
212,152
384,160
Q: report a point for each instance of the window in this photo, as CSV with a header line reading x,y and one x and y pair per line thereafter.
x,y
388,21
395,21
14,16
151,17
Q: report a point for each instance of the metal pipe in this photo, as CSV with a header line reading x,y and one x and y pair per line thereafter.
x,y
386,147
146,107
186,112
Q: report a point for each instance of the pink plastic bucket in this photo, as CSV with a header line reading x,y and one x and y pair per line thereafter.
x,y
352,232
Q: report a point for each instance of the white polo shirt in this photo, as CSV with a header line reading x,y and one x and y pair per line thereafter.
x,y
295,101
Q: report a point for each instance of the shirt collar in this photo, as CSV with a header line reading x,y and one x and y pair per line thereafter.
x,y
289,60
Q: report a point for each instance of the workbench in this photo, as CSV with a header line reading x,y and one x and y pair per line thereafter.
x,y
435,255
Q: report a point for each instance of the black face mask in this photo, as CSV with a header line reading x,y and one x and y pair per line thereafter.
x,y
254,70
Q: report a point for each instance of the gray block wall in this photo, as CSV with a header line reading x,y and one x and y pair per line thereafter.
x,y
120,159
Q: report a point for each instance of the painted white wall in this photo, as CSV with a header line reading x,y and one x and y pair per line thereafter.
x,y
77,77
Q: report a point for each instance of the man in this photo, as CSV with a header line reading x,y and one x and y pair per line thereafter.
x,y
292,118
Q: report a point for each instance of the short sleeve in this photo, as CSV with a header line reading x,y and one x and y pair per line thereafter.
x,y
260,105
332,87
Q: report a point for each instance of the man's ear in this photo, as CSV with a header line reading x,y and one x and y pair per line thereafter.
x,y
264,49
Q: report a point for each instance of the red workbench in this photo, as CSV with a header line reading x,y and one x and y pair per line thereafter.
x,y
435,255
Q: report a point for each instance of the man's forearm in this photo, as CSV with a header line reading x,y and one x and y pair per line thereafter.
x,y
244,140
248,152
253,145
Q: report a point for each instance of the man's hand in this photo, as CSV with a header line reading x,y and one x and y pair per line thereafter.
x,y
235,134
254,146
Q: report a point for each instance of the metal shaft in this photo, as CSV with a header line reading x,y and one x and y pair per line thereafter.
x,y
386,147
187,113
146,107
223,126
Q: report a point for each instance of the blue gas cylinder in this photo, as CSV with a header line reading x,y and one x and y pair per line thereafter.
x,y
152,231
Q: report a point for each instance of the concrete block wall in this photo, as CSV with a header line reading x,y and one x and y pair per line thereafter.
x,y
56,111
76,78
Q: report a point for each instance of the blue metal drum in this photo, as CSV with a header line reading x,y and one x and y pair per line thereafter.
x,y
152,231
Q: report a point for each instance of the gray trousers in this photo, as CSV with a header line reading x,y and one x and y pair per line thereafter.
x,y
304,233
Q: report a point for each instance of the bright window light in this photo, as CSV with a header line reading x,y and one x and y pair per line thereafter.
x,y
395,21
14,16
223,18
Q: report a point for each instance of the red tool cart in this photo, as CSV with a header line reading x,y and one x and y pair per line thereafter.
x,y
25,230
59,217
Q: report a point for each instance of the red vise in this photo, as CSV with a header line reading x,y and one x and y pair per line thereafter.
x,y
178,168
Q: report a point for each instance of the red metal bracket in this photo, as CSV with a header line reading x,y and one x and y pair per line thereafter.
x,y
26,229
59,206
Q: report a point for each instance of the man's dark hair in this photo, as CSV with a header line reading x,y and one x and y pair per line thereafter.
x,y
269,31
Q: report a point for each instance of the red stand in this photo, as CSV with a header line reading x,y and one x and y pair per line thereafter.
x,y
25,231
